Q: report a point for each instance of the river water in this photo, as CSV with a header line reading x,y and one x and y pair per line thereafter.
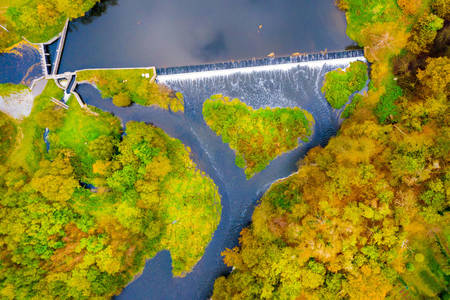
x,y
138,33
287,85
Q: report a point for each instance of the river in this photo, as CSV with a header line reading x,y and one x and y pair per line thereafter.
x,y
287,85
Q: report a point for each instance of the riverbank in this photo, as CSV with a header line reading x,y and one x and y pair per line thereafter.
x,y
126,85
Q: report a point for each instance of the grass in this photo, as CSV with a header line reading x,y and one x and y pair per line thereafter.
x,y
386,110
259,135
30,146
81,127
131,83
7,89
428,275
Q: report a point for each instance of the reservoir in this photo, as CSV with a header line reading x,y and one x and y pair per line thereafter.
x,y
139,33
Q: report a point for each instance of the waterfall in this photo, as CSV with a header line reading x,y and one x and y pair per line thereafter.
x,y
267,61
295,84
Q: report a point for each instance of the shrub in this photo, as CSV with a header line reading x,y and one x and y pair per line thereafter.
x,y
121,99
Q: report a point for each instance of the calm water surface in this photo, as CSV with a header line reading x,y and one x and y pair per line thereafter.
x,y
21,65
179,32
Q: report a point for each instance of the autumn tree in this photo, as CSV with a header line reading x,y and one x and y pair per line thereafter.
x,y
103,147
55,180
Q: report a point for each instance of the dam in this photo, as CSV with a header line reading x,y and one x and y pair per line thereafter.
x,y
258,84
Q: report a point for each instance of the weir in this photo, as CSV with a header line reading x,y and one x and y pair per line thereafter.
x,y
44,63
266,61
266,85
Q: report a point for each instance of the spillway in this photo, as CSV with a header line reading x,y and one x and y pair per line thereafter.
x,y
292,84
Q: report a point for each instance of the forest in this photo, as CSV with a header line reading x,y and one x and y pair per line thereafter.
x,y
79,220
257,135
37,20
126,86
367,216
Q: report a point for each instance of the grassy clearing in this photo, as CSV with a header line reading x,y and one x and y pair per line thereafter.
x,y
132,85
79,128
259,135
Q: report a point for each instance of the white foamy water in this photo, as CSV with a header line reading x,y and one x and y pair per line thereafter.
x,y
278,67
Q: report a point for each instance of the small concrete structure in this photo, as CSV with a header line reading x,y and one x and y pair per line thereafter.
x,y
63,82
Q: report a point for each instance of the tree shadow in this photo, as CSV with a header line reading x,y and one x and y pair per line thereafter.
x,y
98,10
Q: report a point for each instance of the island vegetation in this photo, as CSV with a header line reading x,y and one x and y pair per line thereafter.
x,y
37,20
340,84
79,221
258,136
125,86
367,216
